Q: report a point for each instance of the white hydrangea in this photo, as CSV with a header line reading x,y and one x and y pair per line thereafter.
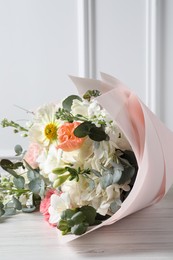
x,y
82,194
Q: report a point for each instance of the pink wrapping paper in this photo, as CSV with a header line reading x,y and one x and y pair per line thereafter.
x,y
150,140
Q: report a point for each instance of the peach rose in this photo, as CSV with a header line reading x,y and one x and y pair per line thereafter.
x,y
68,141
32,154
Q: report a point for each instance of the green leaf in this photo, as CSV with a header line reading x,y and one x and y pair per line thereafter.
x,y
29,209
67,103
17,165
91,93
5,163
36,200
60,180
67,214
1,205
78,217
36,185
98,134
18,149
63,225
9,211
127,174
83,129
79,229
17,204
130,157
90,214
59,170
19,182
32,174
2,212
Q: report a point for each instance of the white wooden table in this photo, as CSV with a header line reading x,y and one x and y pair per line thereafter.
x,y
147,234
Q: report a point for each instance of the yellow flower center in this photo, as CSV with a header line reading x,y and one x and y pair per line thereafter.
x,y
50,131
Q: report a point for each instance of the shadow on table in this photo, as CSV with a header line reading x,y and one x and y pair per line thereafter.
x,y
147,232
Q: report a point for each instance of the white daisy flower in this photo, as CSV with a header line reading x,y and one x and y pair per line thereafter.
x,y
45,125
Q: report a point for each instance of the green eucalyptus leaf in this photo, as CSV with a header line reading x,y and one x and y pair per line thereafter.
x,y
130,157
127,174
78,217
1,205
70,222
17,204
29,209
2,212
67,214
19,182
32,174
90,214
42,189
79,229
17,165
98,134
36,185
67,103
5,163
63,225
83,129
9,211
18,149
36,200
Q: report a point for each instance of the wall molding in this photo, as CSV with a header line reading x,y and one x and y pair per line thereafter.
x,y
86,38
153,54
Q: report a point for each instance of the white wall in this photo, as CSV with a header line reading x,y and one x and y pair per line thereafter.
x,y
43,41
38,50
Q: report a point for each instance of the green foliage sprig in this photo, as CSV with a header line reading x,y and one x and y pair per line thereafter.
x,y
86,128
91,93
17,128
78,220
32,185
68,173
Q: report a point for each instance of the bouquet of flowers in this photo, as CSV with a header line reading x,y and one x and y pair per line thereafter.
x,y
91,159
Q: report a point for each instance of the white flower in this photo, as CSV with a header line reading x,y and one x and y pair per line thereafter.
x,y
81,194
49,160
79,156
80,107
94,109
102,155
45,124
58,203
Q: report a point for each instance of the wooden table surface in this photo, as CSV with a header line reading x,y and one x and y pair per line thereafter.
x,y
147,234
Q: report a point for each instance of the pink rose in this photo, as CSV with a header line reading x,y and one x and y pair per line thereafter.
x,y
32,155
45,203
